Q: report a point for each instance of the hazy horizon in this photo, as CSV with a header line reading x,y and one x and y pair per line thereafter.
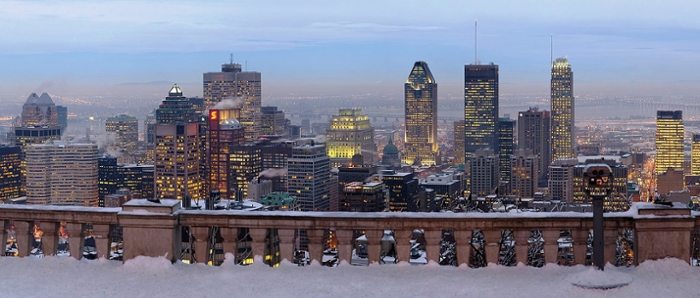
x,y
315,48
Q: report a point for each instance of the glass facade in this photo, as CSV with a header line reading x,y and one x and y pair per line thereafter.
x,y
480,108
670,134
695,155
421,96
126,130
562,101
534,134
506,146
10,173
309,178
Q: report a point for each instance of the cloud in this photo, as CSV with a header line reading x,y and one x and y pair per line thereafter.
x,y
372,27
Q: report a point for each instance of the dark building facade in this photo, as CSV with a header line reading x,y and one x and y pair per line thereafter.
x,y
480,108
403,191
10,173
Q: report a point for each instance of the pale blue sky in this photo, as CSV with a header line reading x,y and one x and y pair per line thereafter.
x,y
307,47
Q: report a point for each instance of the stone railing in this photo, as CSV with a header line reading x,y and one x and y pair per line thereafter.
x,y
151,229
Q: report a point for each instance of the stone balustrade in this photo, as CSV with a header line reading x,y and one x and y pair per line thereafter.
x,y
152,229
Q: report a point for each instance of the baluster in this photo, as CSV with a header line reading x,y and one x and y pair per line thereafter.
x,y
75,239
432,244
315,244
521,245
229,243
258,243
49,240
403,246
580,237
374,246
286,244
201,236
551,247
344,245
491,238
23,231
463,248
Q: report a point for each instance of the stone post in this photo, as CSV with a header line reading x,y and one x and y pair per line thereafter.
x,y
315,244
344,245
403,245
258,244
521,245
50,240
201,239
491,238
286,244
610,245
374,246
75,239
24,242
432,244
102,240
463,239
230,243
580,237
551,247
2,234
151,229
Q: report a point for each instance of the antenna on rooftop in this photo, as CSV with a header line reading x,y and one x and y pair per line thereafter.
x,y
475,43
246,65
551,49
231,59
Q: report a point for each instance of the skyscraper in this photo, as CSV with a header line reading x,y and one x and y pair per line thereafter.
x,y
561,179
126,130
62,113
176,108
10,173
669,140
525,172
242,88
223,131
178,150
421,95
695,155
271,121
506,146
309,177
534,134
480,108
562,101
484,172
61,173
459,142
39,124
350,133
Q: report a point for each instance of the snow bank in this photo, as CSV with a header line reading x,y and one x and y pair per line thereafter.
x,y
156,277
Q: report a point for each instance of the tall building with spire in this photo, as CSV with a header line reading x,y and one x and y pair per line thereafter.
x,y
242,89
421,96
562,101
350,133
480,108
670,136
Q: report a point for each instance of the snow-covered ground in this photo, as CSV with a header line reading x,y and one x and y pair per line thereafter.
x,y
156,277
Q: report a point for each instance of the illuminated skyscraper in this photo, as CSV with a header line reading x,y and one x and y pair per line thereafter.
x,y
178,150
10,173
695,156
39,111
669,140
459,142
309,177
562,92
350,133
126,130
61,173
534,134
480,108
525,172
506,146
242,88
223,131
421,94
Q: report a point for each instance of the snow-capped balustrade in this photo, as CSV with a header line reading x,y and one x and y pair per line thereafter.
x,y
156,229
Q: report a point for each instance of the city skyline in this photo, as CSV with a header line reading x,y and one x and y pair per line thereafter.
x,y
611,51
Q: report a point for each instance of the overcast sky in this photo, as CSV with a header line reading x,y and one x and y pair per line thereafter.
x,y
309,47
